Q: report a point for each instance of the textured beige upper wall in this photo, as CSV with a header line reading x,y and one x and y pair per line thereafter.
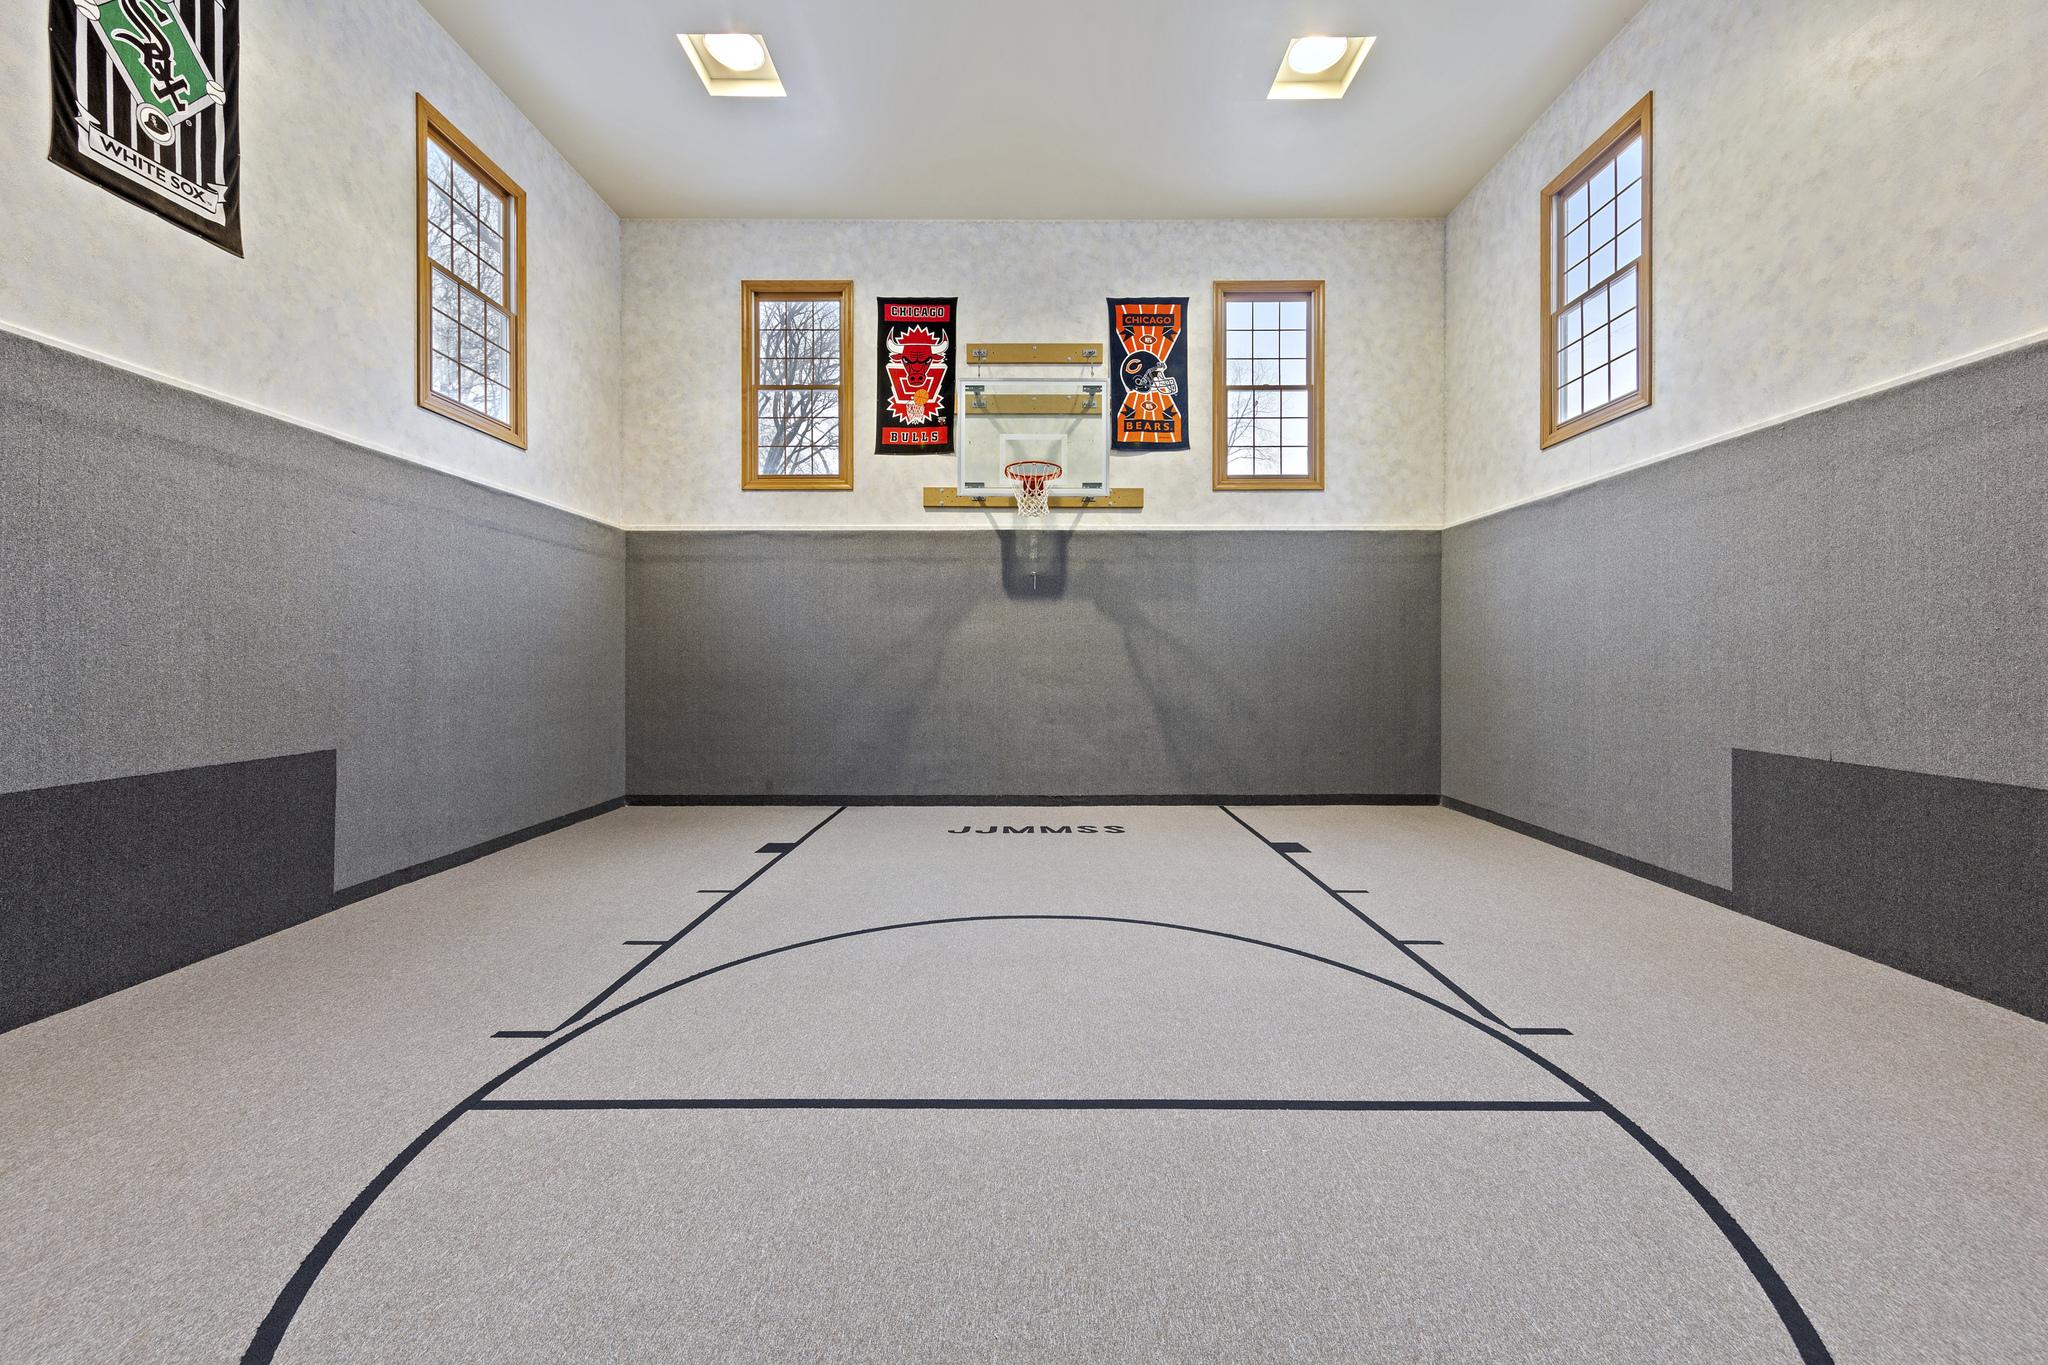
x,y
1033,281
1846,192
316,323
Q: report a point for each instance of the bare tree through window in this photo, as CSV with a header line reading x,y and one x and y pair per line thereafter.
x,y
798,390
797,397
1267,376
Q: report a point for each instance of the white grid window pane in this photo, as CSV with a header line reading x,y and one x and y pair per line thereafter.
x,y
444,330
1623,291
1623,331
1630,247
1622,376
1596,387
473,361
1602,185
1266,357
1630,162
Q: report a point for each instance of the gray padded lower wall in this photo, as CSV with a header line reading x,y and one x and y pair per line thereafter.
x,y
870,663
104,884
189,583
1867,584
1944,877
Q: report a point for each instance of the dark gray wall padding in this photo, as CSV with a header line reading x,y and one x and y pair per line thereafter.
x,y
868,663
190,583
1940,876
1866,584
104,884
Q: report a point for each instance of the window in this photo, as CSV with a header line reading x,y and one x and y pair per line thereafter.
x,y
472,283
1269,384
796,338
1596,283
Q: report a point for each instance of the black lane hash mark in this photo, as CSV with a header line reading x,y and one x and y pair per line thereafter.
x,y
1308,1106
1288,848
1453,987
1423,942
1544,1032
714,891
780,850
522,1033
269,1333
642,942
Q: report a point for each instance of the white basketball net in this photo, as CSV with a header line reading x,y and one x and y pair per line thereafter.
x,y
1032,476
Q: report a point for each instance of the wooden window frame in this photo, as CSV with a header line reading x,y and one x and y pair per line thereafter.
x,y
431,121
752,294
1550,430
1253,291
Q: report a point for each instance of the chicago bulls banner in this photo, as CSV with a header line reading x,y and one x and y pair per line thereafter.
x,y
147,105
1148,354
914,357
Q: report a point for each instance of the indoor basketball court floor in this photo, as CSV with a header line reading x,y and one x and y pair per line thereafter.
x,y
1040,1082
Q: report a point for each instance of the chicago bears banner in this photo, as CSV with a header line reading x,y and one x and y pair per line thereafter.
x,y
147,104
914,357
1148,354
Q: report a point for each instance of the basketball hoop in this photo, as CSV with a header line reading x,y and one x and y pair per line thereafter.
x,y
1032,477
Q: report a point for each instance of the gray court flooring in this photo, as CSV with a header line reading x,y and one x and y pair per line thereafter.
x,y
1357,1083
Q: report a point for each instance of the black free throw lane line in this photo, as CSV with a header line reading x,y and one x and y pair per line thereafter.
x,y
1262,1106
270,1332
780,850
1285,850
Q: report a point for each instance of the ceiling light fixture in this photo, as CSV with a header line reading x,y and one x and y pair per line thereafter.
x,y
1315,55
744,52
1318,67
732,63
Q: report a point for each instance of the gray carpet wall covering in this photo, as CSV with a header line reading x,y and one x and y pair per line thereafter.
x,y
187,583
1867,584
978,663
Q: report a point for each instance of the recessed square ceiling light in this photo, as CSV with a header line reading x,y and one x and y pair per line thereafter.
x,y
732,63
1318,68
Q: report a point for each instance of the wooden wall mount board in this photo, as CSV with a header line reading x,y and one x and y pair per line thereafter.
x,y
1036,353
1117,499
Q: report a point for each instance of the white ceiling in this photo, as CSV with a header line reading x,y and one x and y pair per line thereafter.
x,y
1033,108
